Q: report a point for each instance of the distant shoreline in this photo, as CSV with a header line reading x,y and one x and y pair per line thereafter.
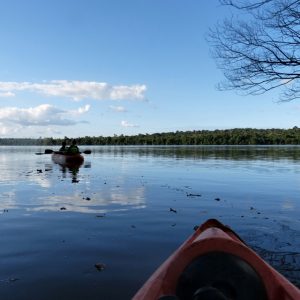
x,y
236,136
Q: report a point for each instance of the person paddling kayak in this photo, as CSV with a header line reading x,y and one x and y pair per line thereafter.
x,y
73,149
63,147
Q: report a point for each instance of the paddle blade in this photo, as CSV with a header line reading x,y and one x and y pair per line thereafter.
x,y
87,151
48,151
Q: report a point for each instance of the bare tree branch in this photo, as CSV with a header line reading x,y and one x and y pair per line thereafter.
x,y
262,51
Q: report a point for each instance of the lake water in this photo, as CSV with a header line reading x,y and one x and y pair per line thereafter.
x,y
129,208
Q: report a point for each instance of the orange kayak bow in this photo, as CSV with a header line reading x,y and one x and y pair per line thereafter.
x,y
214,263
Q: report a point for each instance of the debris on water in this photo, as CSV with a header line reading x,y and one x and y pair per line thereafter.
x,y
251,208
9,280
133,226
100,216
286,262
39,171
193,195
165,186
217,199
173,225
100,267
86,198
258,213
173,210
75,180
196,227
63,208
242,216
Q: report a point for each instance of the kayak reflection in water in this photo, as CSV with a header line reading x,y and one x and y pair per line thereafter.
x,y
72,170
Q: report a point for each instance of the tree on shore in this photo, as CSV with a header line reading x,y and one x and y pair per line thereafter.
x,y
259,49
235,136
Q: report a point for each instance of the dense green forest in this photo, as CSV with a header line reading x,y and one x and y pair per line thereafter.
x,y
238,136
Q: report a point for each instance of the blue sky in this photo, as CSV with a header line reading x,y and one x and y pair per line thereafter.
x,y
105,67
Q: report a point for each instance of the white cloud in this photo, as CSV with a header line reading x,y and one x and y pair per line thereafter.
x,y
118,108
81,110
49,131
77,90
6,130
42,115
127,124
6,94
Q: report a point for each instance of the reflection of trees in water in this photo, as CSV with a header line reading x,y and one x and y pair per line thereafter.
x,y
205,152
286,263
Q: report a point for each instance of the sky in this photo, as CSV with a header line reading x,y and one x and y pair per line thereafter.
x,y
106,67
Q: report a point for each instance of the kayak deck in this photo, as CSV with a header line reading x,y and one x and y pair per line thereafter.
x,y
215,262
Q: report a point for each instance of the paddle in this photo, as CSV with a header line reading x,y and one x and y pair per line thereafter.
x,y
47,151
87,151
50,151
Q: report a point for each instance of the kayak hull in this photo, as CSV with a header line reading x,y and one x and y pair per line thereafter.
x,y
67,159
213,238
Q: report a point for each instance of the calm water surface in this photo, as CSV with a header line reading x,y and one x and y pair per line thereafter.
x,y
56,223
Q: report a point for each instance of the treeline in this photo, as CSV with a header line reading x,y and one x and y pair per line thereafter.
x,y
238,136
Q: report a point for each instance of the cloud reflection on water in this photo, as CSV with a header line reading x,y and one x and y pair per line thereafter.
x,y
98,203
7,201
47,187
288,205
